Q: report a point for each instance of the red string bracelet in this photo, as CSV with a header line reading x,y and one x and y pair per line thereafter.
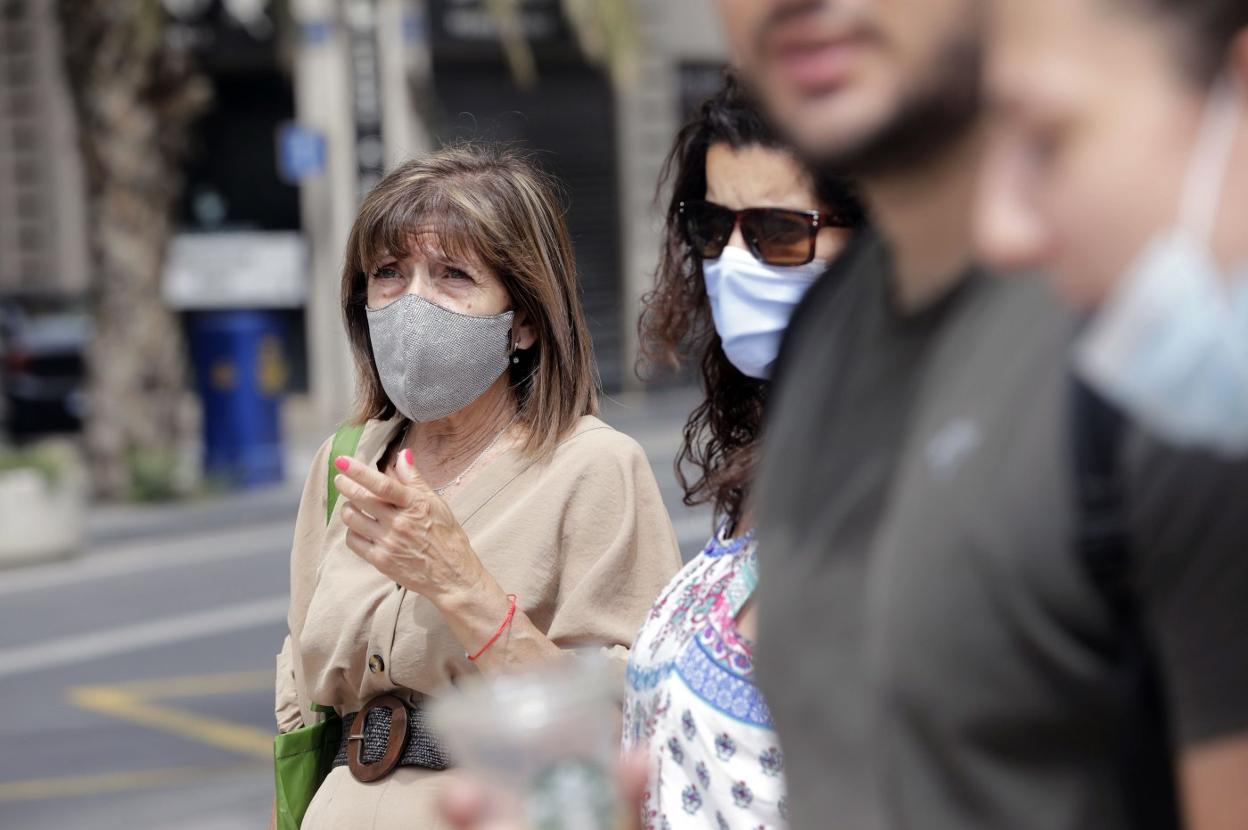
x,y
511,612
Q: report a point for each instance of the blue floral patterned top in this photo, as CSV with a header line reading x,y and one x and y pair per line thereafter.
x,y
693,706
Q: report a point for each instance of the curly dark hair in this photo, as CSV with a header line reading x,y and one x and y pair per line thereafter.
x,y
718,456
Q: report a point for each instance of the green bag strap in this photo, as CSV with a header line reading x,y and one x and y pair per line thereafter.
x,y
346,439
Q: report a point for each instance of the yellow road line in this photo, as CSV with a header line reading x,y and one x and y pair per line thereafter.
x,y
247,740
133,701
71,785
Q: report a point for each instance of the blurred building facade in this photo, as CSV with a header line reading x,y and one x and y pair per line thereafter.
x,y
314,100
43,256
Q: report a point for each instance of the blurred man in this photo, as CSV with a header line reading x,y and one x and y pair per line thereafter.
x,y
953,631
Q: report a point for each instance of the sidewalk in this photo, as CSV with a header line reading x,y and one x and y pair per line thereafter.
x,y
113,524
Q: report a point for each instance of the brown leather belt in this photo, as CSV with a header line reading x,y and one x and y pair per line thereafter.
x,y
385,734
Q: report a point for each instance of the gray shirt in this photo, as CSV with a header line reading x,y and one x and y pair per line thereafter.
x,y
932,649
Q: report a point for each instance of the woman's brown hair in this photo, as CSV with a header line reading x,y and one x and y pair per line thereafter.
x,y
489,204
720,445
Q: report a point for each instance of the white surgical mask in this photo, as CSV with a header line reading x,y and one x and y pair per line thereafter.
x,y
752,302
1170,347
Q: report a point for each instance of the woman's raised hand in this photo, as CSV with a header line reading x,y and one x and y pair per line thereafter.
x,y
401,527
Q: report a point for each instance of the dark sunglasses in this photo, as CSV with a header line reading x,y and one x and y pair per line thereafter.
x,y
777,236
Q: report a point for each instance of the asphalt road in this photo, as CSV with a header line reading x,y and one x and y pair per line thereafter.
x,y
137,678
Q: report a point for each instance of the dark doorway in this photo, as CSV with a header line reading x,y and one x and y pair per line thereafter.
x,y
568,121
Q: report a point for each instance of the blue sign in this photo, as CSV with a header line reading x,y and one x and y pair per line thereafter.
x,y
414,28
300,152
316,32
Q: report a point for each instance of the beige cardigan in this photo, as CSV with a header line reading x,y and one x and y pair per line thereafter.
x,y
582,539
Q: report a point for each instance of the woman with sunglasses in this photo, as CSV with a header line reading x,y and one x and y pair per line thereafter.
x,y
748,231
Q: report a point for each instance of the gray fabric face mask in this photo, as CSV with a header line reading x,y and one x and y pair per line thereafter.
x,y
432,361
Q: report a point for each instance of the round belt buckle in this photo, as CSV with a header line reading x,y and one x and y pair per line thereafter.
x,y
366,772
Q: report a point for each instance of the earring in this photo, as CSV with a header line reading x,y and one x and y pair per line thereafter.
x,y
515,358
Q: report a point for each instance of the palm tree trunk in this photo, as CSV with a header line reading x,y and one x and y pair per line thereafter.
x,y
136,100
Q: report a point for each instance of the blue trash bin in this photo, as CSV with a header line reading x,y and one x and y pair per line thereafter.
x,y
241,372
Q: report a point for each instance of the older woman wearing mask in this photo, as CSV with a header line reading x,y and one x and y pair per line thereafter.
x,y
1120,163
487,519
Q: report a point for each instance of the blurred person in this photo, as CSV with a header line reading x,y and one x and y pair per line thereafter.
x,y
487,518
748,230
1169,273
1165,281
948,638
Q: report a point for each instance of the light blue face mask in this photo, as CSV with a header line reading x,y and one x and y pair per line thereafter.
x,y
1170,347
751,303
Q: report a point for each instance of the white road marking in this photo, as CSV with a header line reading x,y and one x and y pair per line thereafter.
x,y
78,648
153,554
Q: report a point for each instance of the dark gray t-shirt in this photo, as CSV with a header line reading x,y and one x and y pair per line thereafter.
x,y
933,651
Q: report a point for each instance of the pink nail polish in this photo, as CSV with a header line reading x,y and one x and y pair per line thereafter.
x,y
407,456
342,463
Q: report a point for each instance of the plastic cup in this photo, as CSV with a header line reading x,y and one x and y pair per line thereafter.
x,y
545,743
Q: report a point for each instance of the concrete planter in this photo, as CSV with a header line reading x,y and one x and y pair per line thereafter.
x,y
39,519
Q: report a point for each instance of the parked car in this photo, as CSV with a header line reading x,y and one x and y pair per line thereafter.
x,y
43,373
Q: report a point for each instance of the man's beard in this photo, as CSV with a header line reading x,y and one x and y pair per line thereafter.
x,y
933,115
